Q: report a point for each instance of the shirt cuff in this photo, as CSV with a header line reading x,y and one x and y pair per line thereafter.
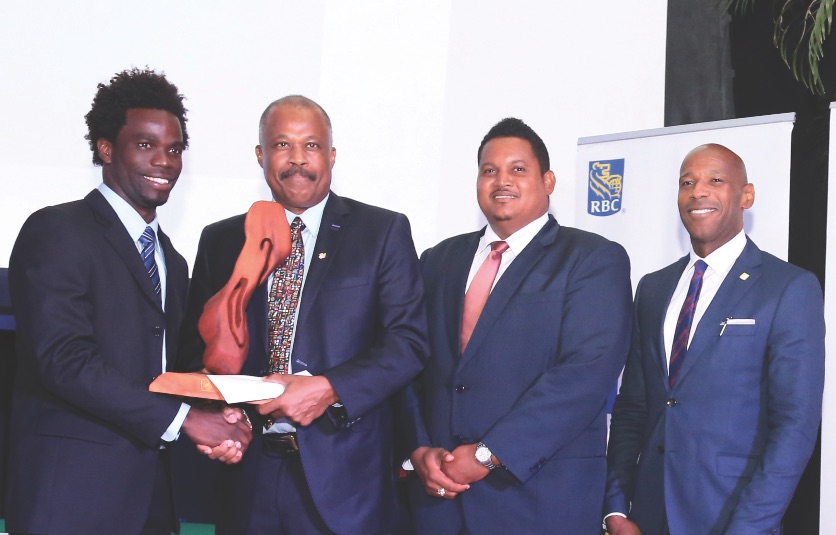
x,y
604,523
173,432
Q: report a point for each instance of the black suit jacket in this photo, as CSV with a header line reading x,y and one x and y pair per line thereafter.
x,y
362,325
85,431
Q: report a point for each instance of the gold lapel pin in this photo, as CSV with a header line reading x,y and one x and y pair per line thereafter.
x,y
744,276
323,255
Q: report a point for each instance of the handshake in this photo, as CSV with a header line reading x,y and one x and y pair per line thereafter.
x,y
221,433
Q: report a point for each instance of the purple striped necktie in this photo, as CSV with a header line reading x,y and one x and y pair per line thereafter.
x,y
683,325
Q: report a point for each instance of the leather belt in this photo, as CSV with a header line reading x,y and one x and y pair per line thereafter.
x,y
280,445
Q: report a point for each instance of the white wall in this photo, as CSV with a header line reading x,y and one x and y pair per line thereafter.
x,y
411,88
827,518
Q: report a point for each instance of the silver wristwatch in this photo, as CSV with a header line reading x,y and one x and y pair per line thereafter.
x,y
483,456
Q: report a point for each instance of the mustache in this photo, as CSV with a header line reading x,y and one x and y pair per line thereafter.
x,y
297,170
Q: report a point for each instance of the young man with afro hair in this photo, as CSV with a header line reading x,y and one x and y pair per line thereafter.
x,y
98,293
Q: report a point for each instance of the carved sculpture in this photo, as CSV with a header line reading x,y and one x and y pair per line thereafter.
x,y
223,324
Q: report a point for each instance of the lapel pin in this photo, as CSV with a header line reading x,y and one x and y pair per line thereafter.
x,y
322,256
335,226
744,276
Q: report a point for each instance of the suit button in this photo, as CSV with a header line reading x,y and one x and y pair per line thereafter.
x,y
661,449
460,388
671,402
157,330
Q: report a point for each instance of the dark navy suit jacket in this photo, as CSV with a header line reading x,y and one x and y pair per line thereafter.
x,y
362,325
85,432
722,451
532,383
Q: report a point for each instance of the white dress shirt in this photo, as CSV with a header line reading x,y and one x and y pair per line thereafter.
x,y
719,263
516,243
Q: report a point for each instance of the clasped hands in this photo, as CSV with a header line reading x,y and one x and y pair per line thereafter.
x,y
221,434
224,435
451,471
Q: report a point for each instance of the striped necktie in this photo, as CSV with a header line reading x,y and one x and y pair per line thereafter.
x,y
148,241
683,324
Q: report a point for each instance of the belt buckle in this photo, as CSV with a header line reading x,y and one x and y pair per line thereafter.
x,y
281,444
290,438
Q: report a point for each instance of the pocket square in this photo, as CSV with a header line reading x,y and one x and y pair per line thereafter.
x,y
740,321
735,321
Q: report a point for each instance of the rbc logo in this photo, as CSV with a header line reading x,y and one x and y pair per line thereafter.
x,y
605,183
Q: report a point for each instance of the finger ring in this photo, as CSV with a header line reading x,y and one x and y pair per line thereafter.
x,y
442,491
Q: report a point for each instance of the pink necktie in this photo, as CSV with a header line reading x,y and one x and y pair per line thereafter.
x,y
480,289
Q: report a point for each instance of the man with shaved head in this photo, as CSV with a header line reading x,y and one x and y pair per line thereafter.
x,y
720,402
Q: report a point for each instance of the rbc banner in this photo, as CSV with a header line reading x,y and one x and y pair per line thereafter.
x,y
626,186
605,182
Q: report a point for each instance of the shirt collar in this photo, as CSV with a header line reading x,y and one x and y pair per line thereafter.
x,y
311,217
126,213
722,259
518,240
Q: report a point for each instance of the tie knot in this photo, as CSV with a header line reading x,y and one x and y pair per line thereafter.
x,y
148,236
699,268
499,247
297,226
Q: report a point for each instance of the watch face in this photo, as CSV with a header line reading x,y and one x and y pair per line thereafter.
x,y
483,454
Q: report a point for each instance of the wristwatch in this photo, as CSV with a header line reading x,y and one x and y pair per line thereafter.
x,y
483,456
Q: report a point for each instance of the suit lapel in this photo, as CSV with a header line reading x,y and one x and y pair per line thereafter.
x,y
660,299
731,291
118,238
455,284
328,242
507,286
258,355
174,292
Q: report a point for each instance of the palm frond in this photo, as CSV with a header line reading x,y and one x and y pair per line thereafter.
x,y
801,26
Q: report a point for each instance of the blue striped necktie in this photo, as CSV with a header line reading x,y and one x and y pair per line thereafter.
x,y
148,240
683,324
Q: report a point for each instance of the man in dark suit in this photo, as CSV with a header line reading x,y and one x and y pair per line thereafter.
x,y
98,293
341,321
720,402
508,429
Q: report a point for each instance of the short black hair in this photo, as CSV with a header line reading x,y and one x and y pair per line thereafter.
x,y
513,127
131,88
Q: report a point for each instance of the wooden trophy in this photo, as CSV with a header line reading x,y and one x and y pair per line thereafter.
x,y
223,324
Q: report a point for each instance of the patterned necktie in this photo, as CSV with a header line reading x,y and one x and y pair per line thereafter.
x,y
683,324
148,242
480,289
283,300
